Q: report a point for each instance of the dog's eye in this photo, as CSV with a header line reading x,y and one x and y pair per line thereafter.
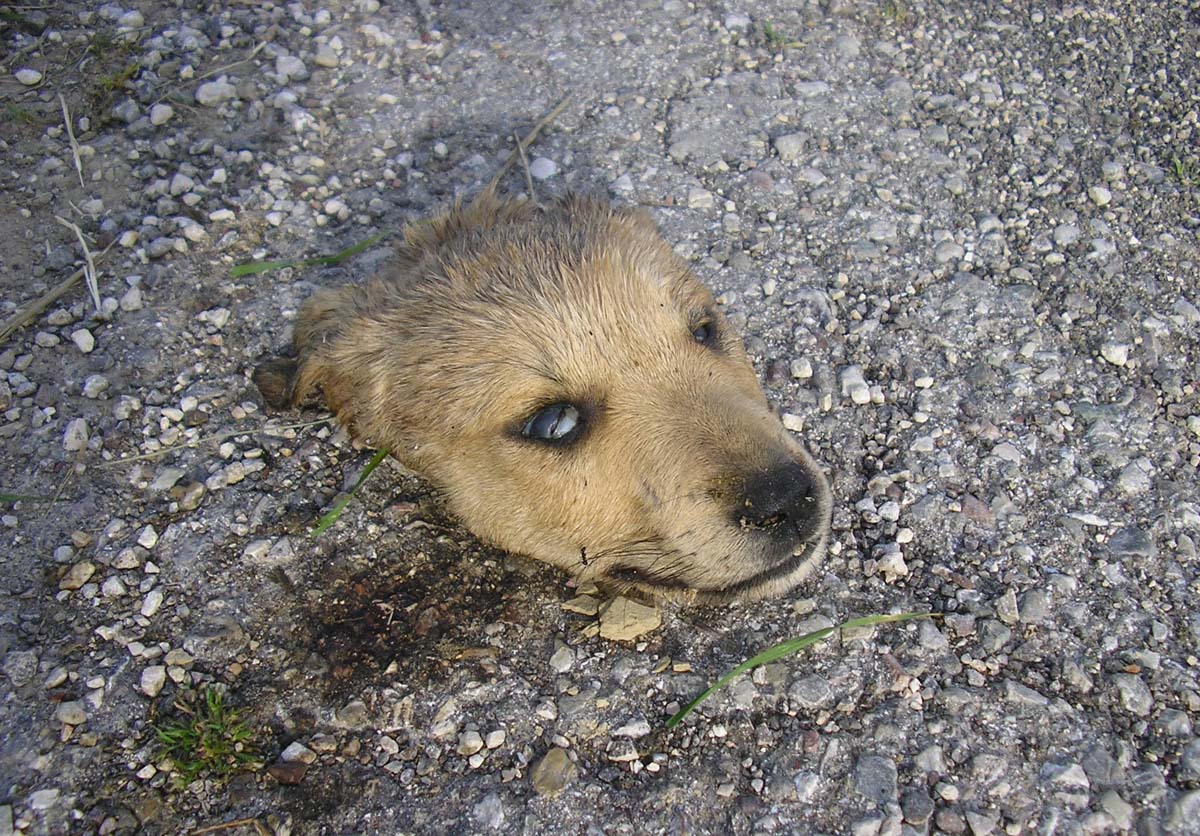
x,y
704,333
557,422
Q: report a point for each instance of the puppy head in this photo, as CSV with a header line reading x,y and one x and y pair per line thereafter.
x,y
576,393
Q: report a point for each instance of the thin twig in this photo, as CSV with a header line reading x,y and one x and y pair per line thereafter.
x,y
89,269
218,70
529,139
229,825
215,438
62,487
74,144
30,312
528,173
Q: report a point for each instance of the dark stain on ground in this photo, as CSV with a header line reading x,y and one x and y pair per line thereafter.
x,y
414,615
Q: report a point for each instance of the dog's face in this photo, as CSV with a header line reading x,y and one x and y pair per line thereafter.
x,y
573,389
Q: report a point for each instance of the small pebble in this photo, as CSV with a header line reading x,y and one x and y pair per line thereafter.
x,y
1100,195
83,340
542,168
297,752
213,93
75,437
28,77
160,114
72,713
553,772
152,680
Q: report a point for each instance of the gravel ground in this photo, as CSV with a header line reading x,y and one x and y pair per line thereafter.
x,y
962,243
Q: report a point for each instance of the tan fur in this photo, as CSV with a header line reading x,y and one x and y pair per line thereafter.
x,y
498,309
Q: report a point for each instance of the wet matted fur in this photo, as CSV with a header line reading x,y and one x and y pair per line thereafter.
x,y
572,388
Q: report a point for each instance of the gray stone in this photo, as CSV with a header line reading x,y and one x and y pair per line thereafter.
x,y
43,800
917,807
489,812
94,386
790,146
1120,810
875,778
161,114
811,691
1135,694
290,67
75,436
72,713
1132,541
562,659
213,93
297,752
20,666
326,56
1183,817
1035,606
543,168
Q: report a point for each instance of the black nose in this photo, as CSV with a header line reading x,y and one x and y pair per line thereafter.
x,y
782,499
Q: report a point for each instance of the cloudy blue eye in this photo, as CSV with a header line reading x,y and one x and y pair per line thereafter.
x,y
557,422
703,333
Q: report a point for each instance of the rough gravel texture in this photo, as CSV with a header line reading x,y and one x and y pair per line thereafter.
x,y
961,243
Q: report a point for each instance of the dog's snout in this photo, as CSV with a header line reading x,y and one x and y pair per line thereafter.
x,y
782,497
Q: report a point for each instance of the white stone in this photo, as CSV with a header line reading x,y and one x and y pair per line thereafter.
x,y
131,300
543,168
28,77
291,67
83,340
152,602
297,752
160,114
152,680
213,93
1100,195
1115,353
75,437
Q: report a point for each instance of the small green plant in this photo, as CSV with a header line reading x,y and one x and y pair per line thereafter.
x,y
119,79
774,38
209,740
16,113
895,11
786,648
253,267
330,517
1187,172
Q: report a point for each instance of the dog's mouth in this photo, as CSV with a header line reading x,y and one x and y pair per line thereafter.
x,y
654,582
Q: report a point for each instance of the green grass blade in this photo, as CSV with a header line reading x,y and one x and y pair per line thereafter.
x,y
254,267
262,267
10,498
786,648
332,516
349,252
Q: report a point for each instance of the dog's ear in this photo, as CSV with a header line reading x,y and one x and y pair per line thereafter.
x,y
276,380
288,381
